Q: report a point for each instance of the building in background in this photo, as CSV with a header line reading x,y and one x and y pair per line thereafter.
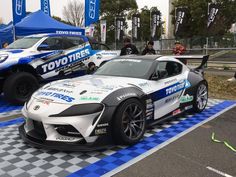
x,y
169,26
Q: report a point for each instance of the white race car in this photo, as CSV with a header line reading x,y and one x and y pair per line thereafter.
x,y
114,105
40,58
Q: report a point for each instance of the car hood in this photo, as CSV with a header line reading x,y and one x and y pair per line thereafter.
x,y
86,89
12,52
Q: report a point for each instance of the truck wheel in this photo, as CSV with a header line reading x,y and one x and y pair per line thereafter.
x,y
129,123
18,87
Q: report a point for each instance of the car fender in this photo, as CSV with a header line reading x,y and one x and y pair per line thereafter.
x,y
122,94
194,79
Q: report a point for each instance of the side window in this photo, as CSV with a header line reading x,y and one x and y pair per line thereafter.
x,y
168,69
70,42
173,68
98,46
54,43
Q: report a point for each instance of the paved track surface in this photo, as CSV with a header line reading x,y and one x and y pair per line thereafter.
x,y
193,155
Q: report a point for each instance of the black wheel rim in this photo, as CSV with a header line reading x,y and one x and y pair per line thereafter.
x,y
133,121
24,89
202,96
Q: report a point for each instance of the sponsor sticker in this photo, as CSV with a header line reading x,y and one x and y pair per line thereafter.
x,y
103,125
68,85
171,99
65,138
168,82
186,98
56,95
188,107
173,89
145,84
59,90
177,111
88,98
46,102
125,96
100,131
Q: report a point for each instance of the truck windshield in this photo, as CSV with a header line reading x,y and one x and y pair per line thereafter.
x,y
24,43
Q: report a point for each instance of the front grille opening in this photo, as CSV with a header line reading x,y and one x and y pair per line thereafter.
x,y
39,129
67,130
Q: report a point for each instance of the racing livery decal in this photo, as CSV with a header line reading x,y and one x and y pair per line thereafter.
x,y
180,86
56,95
65,60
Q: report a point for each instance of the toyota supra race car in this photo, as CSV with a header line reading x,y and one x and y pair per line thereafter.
x,y
115,104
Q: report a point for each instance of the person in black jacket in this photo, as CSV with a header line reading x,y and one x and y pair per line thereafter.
x,y
149,49
128,48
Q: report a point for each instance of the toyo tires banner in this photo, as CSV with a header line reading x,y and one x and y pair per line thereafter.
x,y
18,10
45,7
92,8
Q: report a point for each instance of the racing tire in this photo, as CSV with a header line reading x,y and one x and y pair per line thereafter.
x,y
201,97
129,123
19,86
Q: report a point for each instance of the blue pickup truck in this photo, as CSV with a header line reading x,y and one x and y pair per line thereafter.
x,y
29,61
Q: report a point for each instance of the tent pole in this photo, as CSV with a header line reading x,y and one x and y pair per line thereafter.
x,y
14,33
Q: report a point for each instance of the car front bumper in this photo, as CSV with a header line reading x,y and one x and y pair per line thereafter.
x,y
36,140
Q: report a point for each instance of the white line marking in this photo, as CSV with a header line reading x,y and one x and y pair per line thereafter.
x,y
218,172
148,153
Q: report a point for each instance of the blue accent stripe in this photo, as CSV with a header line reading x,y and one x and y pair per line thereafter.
x,y
121,157
11,122
167,91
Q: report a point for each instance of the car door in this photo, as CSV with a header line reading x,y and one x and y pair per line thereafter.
x,y
65,56
169,86
101,53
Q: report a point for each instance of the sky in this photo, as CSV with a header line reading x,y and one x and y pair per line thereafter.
x,y
57,6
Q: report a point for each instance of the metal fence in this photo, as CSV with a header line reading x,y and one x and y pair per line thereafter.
x,y
222,50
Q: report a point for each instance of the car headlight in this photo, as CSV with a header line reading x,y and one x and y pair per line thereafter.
x,y
3,58
80,109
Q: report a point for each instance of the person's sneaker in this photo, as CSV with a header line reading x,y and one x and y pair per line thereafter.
x,y
232,79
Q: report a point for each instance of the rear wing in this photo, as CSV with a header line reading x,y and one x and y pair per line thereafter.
x,y
185,58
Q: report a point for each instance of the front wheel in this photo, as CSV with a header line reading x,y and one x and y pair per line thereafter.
x,y
129,123
201,97
19,86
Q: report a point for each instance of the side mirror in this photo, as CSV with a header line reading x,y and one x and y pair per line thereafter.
x,y
155,77
43,47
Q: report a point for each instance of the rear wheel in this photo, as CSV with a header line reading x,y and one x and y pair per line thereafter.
x,y
201,97
19,86
129,123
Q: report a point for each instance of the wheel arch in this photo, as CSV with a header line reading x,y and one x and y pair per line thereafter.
x,y
112,100
21,68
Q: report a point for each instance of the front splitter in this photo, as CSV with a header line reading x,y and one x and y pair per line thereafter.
x,y
63,146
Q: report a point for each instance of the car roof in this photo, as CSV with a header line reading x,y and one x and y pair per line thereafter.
x,y
53,35
146,57
58,35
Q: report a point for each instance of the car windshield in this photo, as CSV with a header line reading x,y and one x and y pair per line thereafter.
x,y
136,68
24,43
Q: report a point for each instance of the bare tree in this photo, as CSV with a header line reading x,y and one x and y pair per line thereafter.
x,y
74,13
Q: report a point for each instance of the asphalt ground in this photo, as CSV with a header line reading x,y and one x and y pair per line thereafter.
x,y
194,154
